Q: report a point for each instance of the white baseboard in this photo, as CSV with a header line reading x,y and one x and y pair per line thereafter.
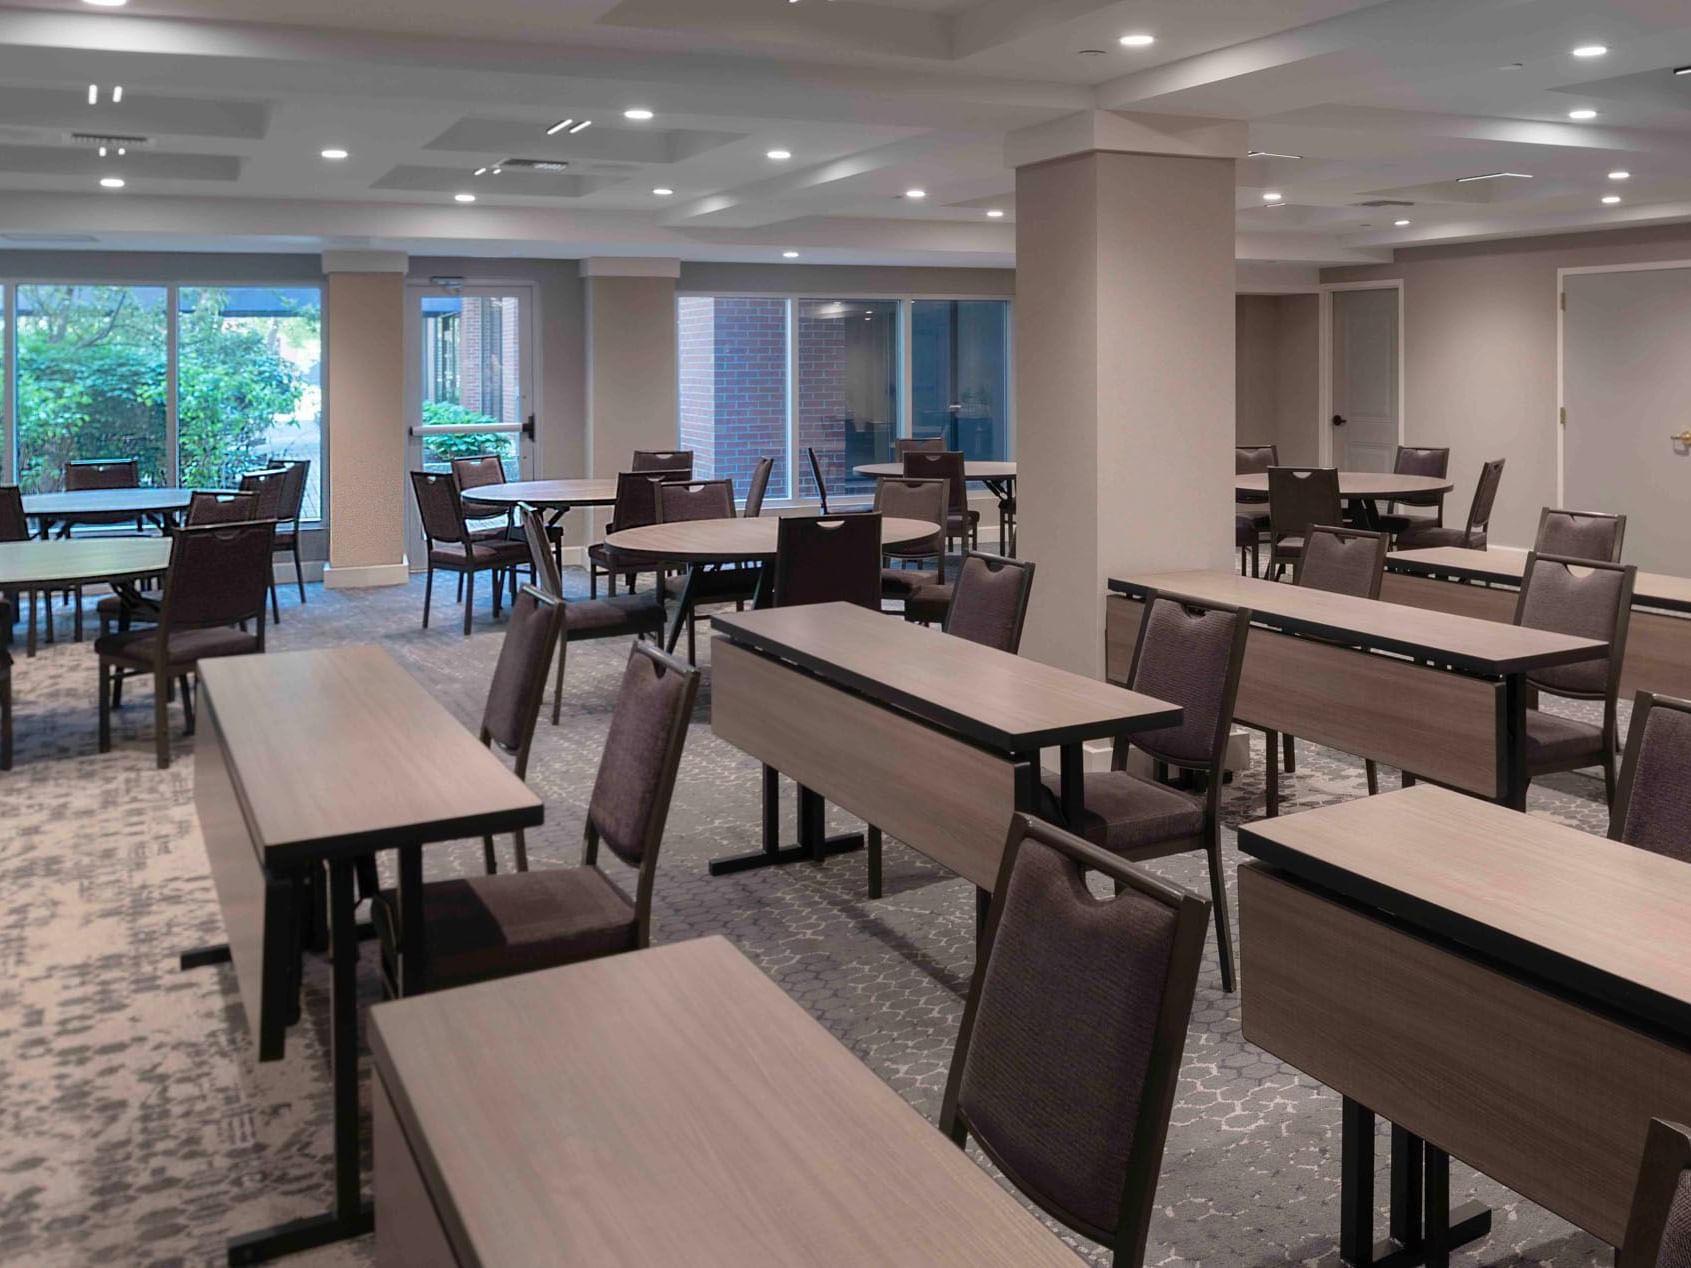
x,y
355,578
575,556
313,569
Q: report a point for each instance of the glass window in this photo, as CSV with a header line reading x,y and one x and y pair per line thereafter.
x,y
733,388
91,365
249,387
847,408
960,375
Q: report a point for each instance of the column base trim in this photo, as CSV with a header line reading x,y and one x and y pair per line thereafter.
x,y
365,575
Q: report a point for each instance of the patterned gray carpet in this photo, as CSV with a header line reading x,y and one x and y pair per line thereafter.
x,y
137,1129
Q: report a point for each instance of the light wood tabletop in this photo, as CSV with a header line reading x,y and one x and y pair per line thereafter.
x,y
44,565
550,494
983,471
1507,567
1008,702
1464,642
1374,486
338,752
674,1106
737,540
136,501
1608,920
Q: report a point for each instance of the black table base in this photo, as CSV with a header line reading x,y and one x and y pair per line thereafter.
x,y
814,844
1424,1230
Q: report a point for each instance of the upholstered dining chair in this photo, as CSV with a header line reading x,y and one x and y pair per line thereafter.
x,y
450,546
1338,561
703,500
817,476
84,474
5,689
1247,540
618,616
218,578
1653,803
14,527
636,506
910,444
1188,653
1078,1127
758,488
1297,498
1580,534
1417,460
270,487
961,521
204,507
677,463
1590,600
828,559
1472,535
1254,460
903,498
478,471
293,510
484,927
1658,1227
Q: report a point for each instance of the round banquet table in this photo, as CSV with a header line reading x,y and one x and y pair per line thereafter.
x,y
552,495
44,566
699,543
162,504
1000,477
1364,490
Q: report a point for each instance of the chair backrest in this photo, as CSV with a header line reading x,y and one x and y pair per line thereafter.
x,y
698,500
927,444
989,603
759,486
942,464
1419,460
519,676
630,801
439,507
1077,1127
540,552
270,487
14,524
908,499
1653,802
1343,561
828,559
221,508
816,475
478,470
293,498
637,498
1583,598
1189,653
1485,497
219,575
1301,496
675,461
102,473
1658,1229
1580,534
1254,459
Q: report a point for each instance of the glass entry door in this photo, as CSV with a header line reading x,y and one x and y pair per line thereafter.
x,y
960,375
470,380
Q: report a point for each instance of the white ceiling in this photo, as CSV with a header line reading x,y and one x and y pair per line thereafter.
x,y
1383,99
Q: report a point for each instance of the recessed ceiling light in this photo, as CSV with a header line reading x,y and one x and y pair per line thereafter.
x,y
639,114
1400,223
481,171
559,126
498,171
581,127
1611,198
1682,70
117,94
916,193
106,4
1138,40
1582,114
334,154
1591,50
1495,176
1272,196
1269,154
780,156
93,94
663,191
464,198
789,255
1621,175
1089,52
111,182
995,214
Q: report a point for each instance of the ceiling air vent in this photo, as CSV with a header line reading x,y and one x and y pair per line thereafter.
x,y
535,165
98,140
1385,202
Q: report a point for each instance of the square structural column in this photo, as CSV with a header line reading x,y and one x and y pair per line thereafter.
x,y
1125,285
632,390
365,311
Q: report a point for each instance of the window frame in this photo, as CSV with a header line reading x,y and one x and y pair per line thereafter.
x,y
906,301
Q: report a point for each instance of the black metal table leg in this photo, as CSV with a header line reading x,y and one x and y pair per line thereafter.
x,y
813,844
1424,1230
1356,1184
1072,758
683,608
1408,1153
1514,747
352,1216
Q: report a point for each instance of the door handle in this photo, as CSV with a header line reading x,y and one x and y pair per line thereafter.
x,y
1339,420
528,427
1681,438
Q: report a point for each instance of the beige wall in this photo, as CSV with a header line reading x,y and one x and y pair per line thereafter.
x,y
1480,350
1276,338
365,353
631,369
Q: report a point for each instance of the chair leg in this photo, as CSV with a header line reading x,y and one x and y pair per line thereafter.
x,y
499,591
558,687
76,617
1270,745
490,856
873,845
299,570
1609,778
1408,780
6,722
161,719
1291,754
1256,562
460,587
1373,777
187,704
469,580
692,638
1218,898
428,596
521,851
592,580
275,603
105,705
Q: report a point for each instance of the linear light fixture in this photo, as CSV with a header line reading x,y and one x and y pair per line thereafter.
x,y
559,126
1269,154
1682,70
1494,176
581,127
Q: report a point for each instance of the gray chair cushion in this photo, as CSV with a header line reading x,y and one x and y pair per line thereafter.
x,y
928,603
135,648
1420,538
901,583
1553,739
499,551
1125,813
608,617
1660,805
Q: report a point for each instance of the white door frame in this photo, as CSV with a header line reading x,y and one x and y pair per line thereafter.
x,y
1562,275
1324,397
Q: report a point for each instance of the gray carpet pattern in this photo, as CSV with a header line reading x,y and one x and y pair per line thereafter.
x,y
137,1129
